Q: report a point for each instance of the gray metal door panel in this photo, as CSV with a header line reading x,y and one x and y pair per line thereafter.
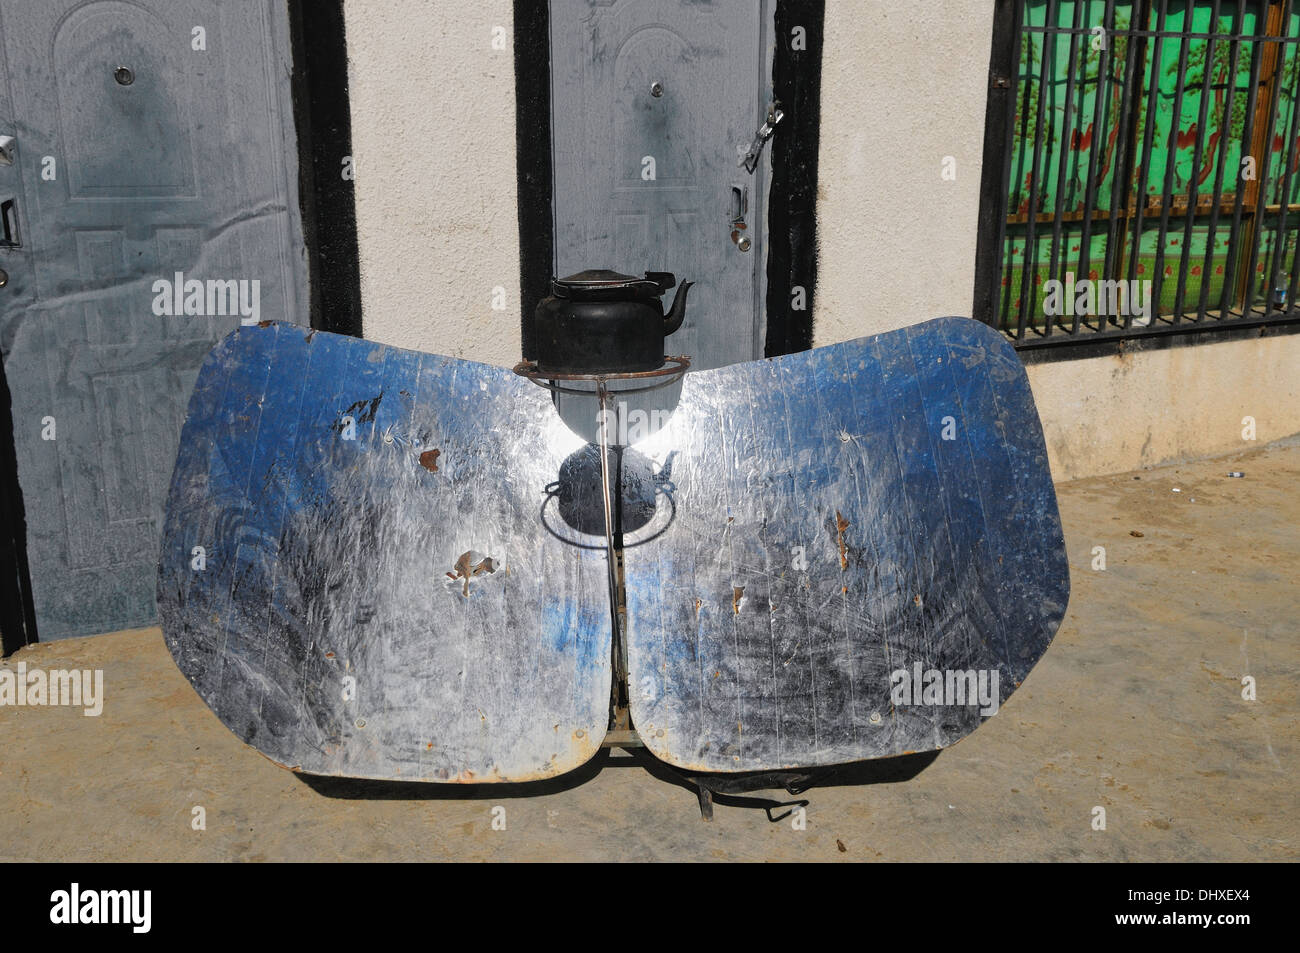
x,y
190,168
711,62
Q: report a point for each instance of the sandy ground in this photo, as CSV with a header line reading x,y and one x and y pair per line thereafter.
x,y
1136,708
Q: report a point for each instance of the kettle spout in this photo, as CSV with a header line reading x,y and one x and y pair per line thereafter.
x,y
673,319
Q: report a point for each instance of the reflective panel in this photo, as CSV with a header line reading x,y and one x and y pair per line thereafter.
x,y
385,564
356,574
864,559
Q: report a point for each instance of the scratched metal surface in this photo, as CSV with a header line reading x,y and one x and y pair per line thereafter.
x,y
947,553
328,559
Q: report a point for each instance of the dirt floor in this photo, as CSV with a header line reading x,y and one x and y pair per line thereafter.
x,y
1136,708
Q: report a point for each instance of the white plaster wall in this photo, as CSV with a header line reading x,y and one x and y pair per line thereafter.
x,y
433,135
903,86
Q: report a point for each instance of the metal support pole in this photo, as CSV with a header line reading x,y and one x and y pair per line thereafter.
x,y
613,565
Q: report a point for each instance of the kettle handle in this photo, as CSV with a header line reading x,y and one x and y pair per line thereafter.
x,y
664,279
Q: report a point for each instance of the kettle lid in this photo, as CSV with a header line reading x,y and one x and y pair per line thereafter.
x,y
603,283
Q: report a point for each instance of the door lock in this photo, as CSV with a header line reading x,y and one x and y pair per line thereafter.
x,y
739,209
750,159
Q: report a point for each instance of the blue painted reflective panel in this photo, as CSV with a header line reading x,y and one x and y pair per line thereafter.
x,y
357,573
385,564
864,558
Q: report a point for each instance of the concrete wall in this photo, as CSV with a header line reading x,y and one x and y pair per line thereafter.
x,y
1111,414
900,92
433,134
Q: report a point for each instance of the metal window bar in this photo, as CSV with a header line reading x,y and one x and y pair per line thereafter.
x,y
1147,141
1221,163
1104,90
1193,198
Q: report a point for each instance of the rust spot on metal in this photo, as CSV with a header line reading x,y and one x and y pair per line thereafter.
x,y
841,524
916,599
697,606
466,569
429,460
264,324
329,654
737,595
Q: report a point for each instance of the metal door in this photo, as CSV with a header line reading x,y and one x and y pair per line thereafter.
x,y
653,103
152,147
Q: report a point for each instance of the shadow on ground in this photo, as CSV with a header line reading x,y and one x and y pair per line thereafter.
x,y
734,790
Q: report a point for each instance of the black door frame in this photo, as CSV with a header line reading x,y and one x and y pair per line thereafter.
x,y
17,611
792,195
322,119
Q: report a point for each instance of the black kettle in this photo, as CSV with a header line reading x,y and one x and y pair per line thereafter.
x,y
601,322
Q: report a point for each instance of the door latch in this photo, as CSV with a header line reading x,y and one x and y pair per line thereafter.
x,y
765,131
9,224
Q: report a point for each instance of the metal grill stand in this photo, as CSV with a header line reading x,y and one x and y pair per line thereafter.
x,y
622,733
